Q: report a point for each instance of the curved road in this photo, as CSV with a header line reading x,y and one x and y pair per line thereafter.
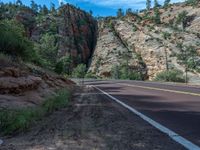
x,y
177,107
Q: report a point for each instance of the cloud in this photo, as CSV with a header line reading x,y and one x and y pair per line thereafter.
x,y
121,3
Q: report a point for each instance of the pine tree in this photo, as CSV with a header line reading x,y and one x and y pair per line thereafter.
x,y
120,13
156,12
156,5
44,10
53,9
19,2
166,3
34,6
128,11
148,4
182,19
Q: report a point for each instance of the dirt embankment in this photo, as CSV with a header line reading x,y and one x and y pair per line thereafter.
x,y
22,86
91,122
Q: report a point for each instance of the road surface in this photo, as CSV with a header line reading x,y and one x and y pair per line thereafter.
x,y
176,107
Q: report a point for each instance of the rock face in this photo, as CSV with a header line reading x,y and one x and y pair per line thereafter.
x,y
156,44
110,50
76,31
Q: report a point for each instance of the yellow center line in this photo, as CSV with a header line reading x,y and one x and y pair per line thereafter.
x,y
159,89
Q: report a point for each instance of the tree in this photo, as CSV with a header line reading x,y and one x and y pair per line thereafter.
x,y
192,2
44,10
47,49
148,4
156,5
34,6
13,42
182,19
166,36
156,12
19,2
79,71
115,72
53,9
166,3
129,11
64,65
90,12
120,13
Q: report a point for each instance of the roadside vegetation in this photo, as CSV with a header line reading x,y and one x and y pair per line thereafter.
x,y
124,72
12,121
170,76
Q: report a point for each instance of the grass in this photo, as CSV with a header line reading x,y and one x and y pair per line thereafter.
x,y
12,121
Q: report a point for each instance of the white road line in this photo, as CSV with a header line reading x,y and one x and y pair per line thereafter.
x,y
179,139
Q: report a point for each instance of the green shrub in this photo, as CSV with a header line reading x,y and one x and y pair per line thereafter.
x,y
17,120
90,75
135,76
193,3
60,100
125,72
12,121
79,71
46,51
170,76
13,42
59,68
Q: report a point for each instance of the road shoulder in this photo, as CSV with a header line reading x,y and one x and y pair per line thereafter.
x,y
92,122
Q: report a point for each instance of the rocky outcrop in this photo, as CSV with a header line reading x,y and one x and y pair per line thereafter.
x,y
75,30
157,45
111,51
22,86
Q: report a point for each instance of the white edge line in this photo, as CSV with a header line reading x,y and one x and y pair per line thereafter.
x,y
179,139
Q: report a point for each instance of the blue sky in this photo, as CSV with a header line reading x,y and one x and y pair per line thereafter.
x,y
99,7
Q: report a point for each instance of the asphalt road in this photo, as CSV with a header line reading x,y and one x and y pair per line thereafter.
x,y
177,107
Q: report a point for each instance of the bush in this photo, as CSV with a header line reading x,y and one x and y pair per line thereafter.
x,y
13,42
90,75
79,71
47,51
126,73
19,120
193,3
170,76
135,76
59,101
64,65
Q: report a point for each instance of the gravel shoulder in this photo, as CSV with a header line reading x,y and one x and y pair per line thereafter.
x,y
92,121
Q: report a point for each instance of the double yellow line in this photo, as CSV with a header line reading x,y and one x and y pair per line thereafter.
x,y
159,89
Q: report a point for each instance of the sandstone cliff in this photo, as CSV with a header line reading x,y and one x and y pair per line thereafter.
x,y
156,44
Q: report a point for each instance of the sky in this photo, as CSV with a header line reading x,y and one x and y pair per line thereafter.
x,y
98,7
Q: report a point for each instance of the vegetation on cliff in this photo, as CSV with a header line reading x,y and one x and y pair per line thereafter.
x,y
46,37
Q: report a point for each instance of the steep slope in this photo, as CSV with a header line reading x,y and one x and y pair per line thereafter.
x,y
158,45
110,51
76,30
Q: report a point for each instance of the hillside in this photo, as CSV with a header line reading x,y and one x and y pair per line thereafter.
x,y
149,47
130,46
66,35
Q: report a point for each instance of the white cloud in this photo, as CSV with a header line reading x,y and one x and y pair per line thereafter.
x,y
122,3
